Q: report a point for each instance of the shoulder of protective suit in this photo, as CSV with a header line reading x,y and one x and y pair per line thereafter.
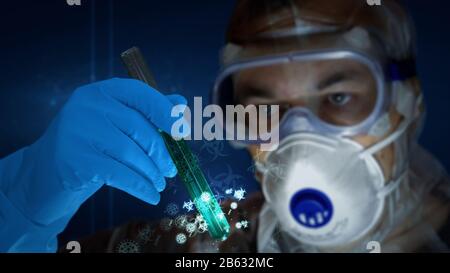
x,y
427,171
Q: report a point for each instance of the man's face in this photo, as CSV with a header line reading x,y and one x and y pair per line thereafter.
x,y
339,92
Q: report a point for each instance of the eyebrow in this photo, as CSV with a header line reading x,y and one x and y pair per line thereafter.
x,y
251,91
336,78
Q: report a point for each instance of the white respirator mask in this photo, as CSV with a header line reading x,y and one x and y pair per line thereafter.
x,y
325,191
330,191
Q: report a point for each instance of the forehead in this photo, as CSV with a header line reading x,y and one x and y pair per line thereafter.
x,y
356,40
300,73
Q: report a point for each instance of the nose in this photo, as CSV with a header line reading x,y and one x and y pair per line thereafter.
x,y
295,121
311,208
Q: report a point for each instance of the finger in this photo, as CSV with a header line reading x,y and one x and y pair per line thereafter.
x,y
124,150
121,177
145,135
176,99
137,95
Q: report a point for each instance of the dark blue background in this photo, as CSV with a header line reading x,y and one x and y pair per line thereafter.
x,y
49,48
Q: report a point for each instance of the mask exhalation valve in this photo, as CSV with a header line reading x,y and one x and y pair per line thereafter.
x,y
311,208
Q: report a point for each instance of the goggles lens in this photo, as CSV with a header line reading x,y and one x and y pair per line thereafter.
x,y
338,93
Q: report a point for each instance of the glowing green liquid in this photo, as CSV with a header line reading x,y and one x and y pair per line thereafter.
x,y
198,187
187,165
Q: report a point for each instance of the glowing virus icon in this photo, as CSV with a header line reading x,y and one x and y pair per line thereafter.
x,y
220,215
242,224
225,180
233,205
191,228
229,191
128,246
214,148
202,227
199,219
166,224
199,224
145,234
239,194
180,238
219,197
181,221
205,197
172,209
189,206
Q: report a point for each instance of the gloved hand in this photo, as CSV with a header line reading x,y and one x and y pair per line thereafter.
x,y
107,133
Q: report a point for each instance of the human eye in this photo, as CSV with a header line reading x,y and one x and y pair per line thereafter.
x,y
339,99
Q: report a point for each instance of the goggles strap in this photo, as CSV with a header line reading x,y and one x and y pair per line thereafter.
x,y
401,70
404,100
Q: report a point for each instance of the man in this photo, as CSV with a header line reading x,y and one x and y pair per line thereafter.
x,y
347,172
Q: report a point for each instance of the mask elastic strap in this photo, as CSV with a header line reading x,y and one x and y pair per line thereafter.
x,y
392,186
388,140
260,167
396,134
266,228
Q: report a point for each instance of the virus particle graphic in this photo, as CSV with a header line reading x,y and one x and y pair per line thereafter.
x,y
242,224
144,234
229,191
128,246
239,194
189,206
172,209
181,238
226,179
166,224
199,219
201,205
214,148
196,158
278,169
205,197
202,227
172,186
181,221
219,197
191,228
220,215
192,218
233,205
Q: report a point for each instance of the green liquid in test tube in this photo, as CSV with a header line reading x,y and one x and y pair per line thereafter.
x,y
187,165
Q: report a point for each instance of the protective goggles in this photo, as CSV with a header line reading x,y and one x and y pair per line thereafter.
x,y
337,92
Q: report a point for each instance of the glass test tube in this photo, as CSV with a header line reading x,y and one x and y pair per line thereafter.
x,y
187,165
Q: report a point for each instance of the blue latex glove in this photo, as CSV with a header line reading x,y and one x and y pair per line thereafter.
x,y
106,134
